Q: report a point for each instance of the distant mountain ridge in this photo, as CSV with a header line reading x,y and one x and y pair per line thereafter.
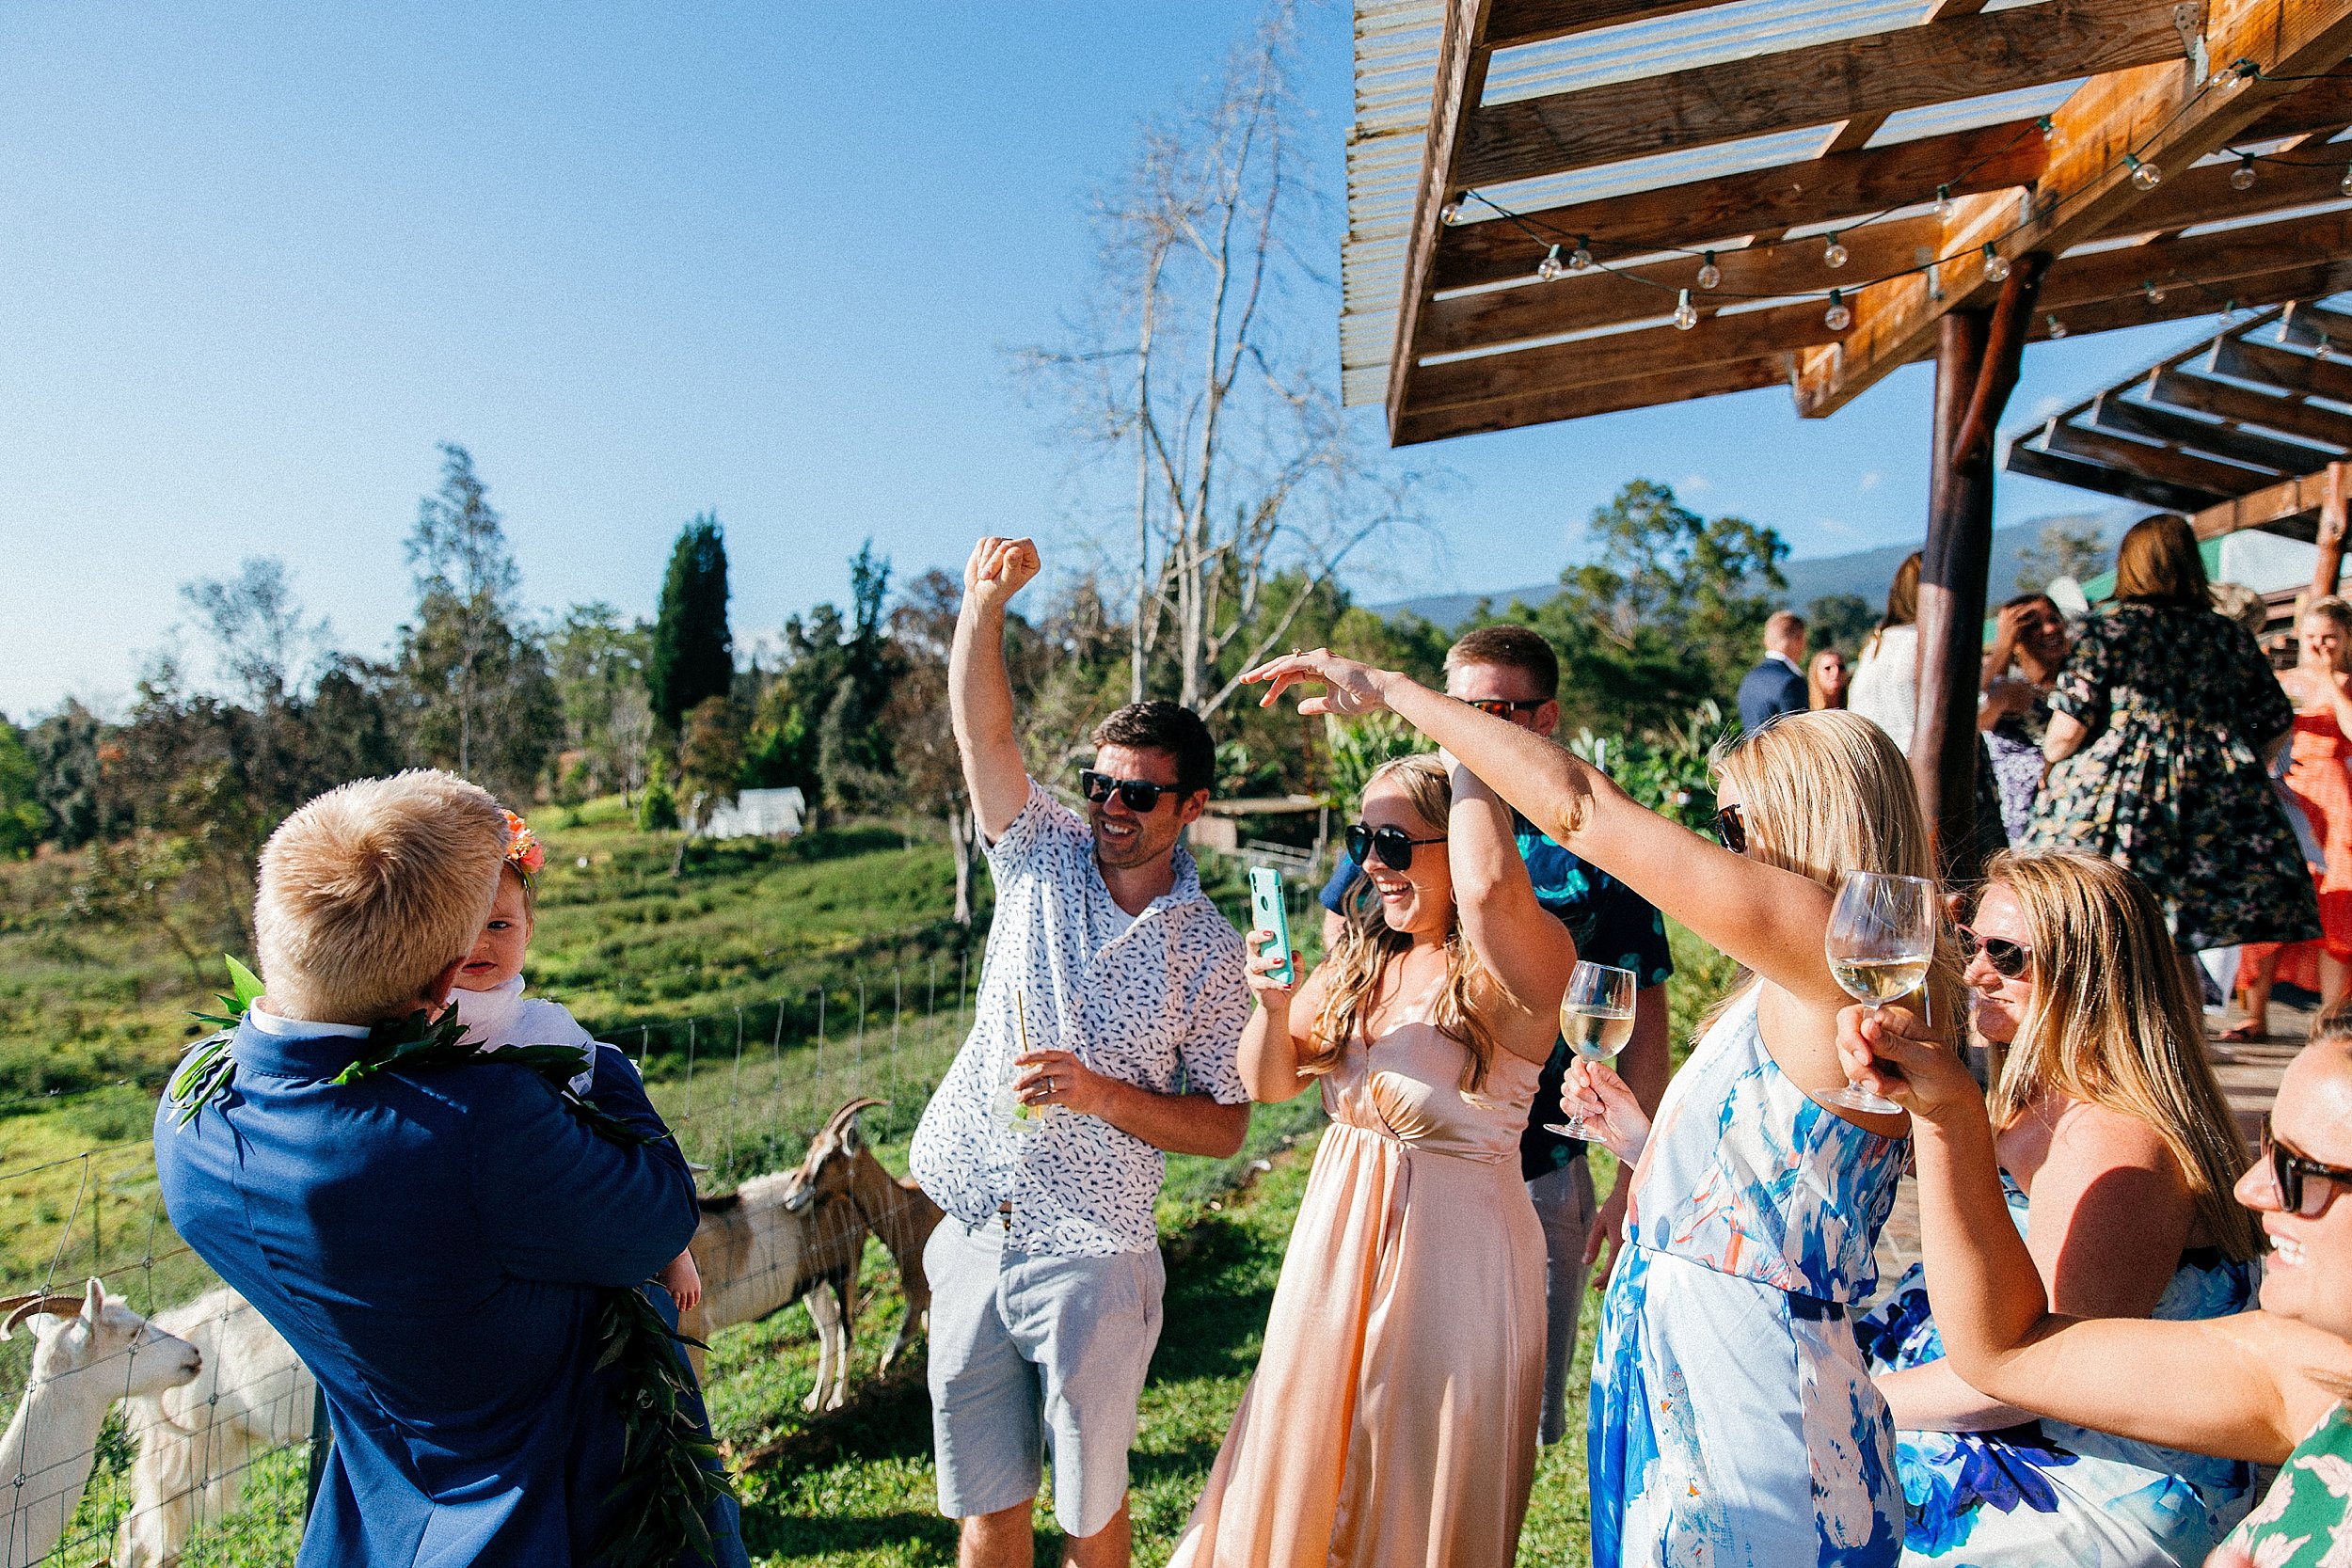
x,y
1866,573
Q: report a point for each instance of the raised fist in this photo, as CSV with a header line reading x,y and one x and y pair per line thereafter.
x,y
999,568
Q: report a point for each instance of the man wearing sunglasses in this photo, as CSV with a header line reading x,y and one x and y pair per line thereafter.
x,y
1128,987
1512,673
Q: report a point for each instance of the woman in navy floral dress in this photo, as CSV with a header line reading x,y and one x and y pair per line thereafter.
x,y
2160,726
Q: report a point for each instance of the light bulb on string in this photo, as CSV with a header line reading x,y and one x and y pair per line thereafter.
x,y
2241,177
1834,254
1837,317
2146,175
1581,256
2345,184
1685,317
1996,264
1944,201
1450,214
1550,266
2232,74
2057,327
1710,273
2155,295
2048,129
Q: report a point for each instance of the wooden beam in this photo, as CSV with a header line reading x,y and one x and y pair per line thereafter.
x,y
2059,469
1731,206
2156,112
1608,397
1618,356
1519,22
2204,195
2131,309
2317,326
2268,411
2214,259
2266,454
1904,68
1461,78
1597,298
1975,367
2302,374
2186,470
2298,497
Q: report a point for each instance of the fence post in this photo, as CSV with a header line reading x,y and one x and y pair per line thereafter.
x,y
322,1444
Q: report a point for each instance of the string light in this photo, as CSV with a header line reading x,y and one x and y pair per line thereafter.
x,y
1710,276
1685,317
1996,264
1450,214
2241,177
1581,256
2345,184
1550,266
2057,327
2155,295
2146,175
2048,129
1838,318
1833,255
2233,74
1943,202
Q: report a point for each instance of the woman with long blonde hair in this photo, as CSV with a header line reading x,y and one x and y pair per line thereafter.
x,y
1732,1418
2118,1153
1394,1413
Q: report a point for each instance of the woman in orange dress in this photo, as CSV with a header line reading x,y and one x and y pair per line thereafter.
x,y
1391,1422
2316,781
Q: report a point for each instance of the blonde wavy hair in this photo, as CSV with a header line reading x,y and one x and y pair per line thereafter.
x,y
1369,945
2113,1023
1826,792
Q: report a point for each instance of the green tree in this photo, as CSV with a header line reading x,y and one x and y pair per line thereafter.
x,y
692,655
21,819
1839,621
69,777
598,664
710,755
2066,547
820,725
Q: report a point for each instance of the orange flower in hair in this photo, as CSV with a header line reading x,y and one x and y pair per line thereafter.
x,y
523,850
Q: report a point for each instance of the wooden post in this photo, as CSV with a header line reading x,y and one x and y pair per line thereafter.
x,y
1976,368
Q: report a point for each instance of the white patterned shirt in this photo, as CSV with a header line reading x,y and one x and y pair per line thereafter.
x,y
1156,999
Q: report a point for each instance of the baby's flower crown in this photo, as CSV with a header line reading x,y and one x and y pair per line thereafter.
x,y
524,851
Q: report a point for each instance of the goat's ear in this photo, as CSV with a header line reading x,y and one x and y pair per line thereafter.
x,y
94,1300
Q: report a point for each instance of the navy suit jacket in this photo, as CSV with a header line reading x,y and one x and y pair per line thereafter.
x,y
430,1246
1769,691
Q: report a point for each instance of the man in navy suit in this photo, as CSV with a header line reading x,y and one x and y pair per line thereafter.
x,y
1777,685
434,1244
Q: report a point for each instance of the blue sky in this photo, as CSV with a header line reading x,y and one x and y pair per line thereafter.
x,y
766,259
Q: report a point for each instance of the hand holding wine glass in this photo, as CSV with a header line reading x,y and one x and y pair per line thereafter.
x,y
1597,1020
1880,945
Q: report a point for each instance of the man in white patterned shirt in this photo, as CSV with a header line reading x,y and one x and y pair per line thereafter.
x,y
1045,1275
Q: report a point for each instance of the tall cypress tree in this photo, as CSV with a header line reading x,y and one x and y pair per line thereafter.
x,y
694,655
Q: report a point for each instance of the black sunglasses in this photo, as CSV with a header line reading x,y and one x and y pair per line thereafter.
x,y
2306,1187
1392,845
1731,830
1503,707
1140,796
2008,959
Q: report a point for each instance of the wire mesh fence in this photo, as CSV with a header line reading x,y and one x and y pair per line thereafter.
x,y
140,1420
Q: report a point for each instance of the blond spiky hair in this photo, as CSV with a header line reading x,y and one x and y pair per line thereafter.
x,y
370,890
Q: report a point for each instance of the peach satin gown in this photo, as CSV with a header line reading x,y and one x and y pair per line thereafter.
x,y
1392,1421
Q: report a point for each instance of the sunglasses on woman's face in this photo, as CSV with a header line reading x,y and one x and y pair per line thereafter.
x,y
1392,845
2306,1187
1140,796
2010,960
1731,830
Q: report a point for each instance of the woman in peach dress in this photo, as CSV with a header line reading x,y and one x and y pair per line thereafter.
x,y
1392,1421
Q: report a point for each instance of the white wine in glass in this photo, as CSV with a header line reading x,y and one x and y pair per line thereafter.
x,y
1597,1020
1880,945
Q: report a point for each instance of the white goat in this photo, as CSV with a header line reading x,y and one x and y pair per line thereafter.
x,y
778,1239
196,1441
87,1351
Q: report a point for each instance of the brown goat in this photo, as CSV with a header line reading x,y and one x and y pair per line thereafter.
x,y
893,1206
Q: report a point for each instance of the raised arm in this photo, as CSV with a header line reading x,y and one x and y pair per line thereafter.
x,y
979,692
2230,1386
1528,950
1770,920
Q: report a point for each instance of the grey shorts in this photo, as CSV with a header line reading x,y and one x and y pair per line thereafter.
x,y
1564,1206
1031,1354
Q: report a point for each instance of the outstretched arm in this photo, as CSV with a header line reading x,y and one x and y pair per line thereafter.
x,y
1528,950
1770,920
2230,1386
979,692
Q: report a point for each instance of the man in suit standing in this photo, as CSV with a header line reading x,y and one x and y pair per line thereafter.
x,y
1777,685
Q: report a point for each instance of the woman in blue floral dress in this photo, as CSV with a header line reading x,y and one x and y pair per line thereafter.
x,y
2118,1156
2160,728
1733,1422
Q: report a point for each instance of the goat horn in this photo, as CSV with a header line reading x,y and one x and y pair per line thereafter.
x,y
849,1113
33,1306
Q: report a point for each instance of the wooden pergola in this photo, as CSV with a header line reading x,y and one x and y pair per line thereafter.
x,y
1561,208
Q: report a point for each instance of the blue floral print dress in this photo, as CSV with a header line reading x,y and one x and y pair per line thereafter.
x,y
1733,1422
2046,1492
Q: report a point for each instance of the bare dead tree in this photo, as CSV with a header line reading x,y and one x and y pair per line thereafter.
x,y
1186,360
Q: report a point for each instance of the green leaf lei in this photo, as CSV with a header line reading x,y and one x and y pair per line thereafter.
x,y
670,1472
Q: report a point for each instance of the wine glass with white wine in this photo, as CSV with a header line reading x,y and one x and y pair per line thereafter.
x,y
1597,1020
1881,942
